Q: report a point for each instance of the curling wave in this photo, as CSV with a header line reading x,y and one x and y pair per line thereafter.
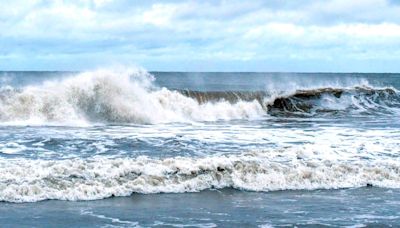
x,y
359,99
98,178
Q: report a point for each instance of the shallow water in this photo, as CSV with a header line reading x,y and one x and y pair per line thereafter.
x,y
226,208
302,153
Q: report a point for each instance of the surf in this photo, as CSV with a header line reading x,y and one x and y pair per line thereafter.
x,y
28,180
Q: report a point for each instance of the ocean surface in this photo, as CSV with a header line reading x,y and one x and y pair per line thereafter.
x,y
127,148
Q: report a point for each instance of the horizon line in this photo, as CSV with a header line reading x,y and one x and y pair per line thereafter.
x,y
162,71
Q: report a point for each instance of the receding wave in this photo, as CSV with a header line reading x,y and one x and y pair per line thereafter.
x,y
97,178
131,97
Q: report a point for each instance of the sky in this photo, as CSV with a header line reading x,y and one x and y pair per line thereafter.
x,y
208,35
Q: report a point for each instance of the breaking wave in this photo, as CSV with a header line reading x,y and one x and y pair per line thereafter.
x,y
358,99
98,178
130,96
127,96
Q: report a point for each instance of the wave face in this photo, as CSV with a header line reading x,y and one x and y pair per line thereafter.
x,y
359,100
130,96
98,178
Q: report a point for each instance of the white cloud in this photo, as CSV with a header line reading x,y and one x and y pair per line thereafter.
x,y
156,31
160,14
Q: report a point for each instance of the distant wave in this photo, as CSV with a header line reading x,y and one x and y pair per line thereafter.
x,y
97,178
130,96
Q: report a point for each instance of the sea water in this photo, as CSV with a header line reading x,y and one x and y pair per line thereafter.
x,y
127,147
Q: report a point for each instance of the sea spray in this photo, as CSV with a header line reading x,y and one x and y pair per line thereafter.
x,y
110,96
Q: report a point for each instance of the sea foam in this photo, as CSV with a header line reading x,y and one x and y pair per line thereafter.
x,y
25,180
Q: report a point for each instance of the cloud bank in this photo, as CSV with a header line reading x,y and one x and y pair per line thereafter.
x,y
321,35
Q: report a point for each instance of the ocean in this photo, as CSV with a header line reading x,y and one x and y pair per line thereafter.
x,y
124,147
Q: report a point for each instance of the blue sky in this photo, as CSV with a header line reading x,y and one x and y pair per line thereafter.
x,y
300,36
